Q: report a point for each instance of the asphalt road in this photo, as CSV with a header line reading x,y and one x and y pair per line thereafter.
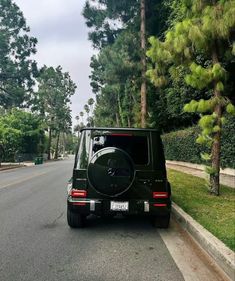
x,y
36,243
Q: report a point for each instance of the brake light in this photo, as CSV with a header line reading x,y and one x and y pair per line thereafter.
x,y
121,135
160,194
159,205
78,193
79,203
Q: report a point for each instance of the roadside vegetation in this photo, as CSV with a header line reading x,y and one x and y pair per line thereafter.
x,y
35,115
164,64
216,214
180,145
190,68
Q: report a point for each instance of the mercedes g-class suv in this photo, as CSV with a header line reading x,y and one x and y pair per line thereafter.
x,y
119,170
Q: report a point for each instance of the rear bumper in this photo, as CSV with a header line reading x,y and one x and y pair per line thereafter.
x,y
103,207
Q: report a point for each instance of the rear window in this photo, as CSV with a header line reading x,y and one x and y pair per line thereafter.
x,y
135,146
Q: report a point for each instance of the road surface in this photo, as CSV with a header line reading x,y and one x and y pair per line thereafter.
x,y
37,244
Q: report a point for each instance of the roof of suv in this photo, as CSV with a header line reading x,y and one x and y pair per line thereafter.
x,y
118,129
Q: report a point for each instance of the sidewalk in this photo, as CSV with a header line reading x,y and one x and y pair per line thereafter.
x,y
13,165
8,166
227,176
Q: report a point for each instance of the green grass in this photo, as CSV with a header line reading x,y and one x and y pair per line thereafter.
x,y
215,213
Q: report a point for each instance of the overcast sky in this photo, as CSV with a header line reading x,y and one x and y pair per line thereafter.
x,y
62,40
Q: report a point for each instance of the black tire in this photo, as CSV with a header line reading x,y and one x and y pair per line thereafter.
x,y
161,221
75,220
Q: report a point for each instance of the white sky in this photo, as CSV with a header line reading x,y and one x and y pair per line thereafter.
x,y
62,40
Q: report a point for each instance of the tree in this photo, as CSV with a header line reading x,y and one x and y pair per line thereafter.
x,y
116,74
52,102
17,69
201,43
81,115
107,19
87,109
21,132
116,70
143,62
91,102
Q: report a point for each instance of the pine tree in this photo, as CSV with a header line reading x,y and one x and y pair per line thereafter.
x,y
17,68
201,42
143,92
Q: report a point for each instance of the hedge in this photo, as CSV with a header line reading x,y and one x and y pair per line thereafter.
x,y
181,146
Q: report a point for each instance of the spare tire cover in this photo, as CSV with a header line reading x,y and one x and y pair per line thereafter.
x,y
111,171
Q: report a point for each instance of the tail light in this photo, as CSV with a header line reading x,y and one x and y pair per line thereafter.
x,y
159,205
158,194
76,193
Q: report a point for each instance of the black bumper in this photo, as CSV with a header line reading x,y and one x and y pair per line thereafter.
x,y
103,207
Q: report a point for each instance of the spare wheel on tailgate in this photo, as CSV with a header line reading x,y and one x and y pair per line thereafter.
x,y
111,171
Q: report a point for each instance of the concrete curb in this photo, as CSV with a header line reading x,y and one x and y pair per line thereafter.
x,y
220,253
12,166
2,168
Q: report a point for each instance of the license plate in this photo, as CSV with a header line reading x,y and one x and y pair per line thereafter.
x,y
119,206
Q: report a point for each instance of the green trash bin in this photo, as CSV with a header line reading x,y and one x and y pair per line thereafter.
x,y
40,160
36,161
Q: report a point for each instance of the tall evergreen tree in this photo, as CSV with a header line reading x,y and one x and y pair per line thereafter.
x,y
143,94
17,69
52,101
202,43
121,64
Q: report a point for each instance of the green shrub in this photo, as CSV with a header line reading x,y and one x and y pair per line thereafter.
x,y
181,145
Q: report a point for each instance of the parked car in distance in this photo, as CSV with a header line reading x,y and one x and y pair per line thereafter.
x,y
119,170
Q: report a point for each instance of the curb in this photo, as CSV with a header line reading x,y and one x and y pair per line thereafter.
x,y
11,167
219,252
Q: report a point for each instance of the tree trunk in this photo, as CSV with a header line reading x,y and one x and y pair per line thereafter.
x,y
120,112
143,93
49,145
117,120
216,146
128,121
64,142
57,145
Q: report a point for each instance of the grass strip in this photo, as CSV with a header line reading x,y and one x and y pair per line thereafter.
x,y
215,213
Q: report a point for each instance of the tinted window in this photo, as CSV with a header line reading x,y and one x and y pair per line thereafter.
x,y
135,146
83,152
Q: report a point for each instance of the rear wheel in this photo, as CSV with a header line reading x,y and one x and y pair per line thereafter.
x,y
75,220
161,221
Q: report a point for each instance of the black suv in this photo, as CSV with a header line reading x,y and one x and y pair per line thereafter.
x,y
119,170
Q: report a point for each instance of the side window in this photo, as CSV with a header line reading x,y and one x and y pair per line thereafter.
x,y
83,152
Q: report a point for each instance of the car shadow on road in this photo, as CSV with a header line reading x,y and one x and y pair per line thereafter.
x,y
120,222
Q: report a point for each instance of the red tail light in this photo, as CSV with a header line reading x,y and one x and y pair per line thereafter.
x,y
159,205
160,194
78,193
79,203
